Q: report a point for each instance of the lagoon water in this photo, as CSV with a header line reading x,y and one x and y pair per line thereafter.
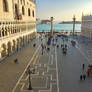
x,y
58,27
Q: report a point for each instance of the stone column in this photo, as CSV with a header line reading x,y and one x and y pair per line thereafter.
x,y
4,50
51,26
74,24
0,31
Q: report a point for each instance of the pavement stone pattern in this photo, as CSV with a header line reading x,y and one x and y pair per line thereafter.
x,y
44,79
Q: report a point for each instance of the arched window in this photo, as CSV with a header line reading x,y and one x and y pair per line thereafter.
x,y
24,2
29,12
21,1
23,11
33,13
5,6
16,12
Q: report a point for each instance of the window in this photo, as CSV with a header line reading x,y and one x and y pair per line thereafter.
x,y
5,5
33,13
16,12
29,12
23,11
24,2
21,1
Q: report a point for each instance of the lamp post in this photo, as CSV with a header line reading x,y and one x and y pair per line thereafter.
x,y
30,85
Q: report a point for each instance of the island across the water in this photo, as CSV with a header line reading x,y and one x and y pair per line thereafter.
x,y
70,22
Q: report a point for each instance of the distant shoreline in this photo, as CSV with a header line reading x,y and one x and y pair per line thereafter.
x,y
61,23
70,22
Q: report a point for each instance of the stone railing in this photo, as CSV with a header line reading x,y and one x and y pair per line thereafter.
x,y
16,35
8,28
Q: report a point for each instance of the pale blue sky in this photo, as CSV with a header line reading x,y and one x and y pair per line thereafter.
x,y
63,9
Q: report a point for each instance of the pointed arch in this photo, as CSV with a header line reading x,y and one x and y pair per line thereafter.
x,y
29,14
5,6
23,10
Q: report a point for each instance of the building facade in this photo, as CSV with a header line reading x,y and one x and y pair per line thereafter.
x,y
17,24
86,27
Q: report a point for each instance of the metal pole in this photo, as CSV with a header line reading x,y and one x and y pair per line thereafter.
x,y
30,86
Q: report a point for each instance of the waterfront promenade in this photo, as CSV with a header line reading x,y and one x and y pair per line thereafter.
x,y
54,72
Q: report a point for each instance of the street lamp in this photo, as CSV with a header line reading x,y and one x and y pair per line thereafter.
x,y
30,85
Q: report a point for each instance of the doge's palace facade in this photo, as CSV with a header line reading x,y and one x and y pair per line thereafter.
x,y
17,24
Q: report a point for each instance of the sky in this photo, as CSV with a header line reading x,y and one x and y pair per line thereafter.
x,y
63,10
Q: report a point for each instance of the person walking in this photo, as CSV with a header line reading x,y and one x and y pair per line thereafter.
x,y
65,45
42,48
84,76
16,61
80,77
83,66
34,44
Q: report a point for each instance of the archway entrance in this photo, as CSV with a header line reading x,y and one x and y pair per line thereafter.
x,y
18,44
3,53
9,49
21,42
25,39
14,45
28,38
